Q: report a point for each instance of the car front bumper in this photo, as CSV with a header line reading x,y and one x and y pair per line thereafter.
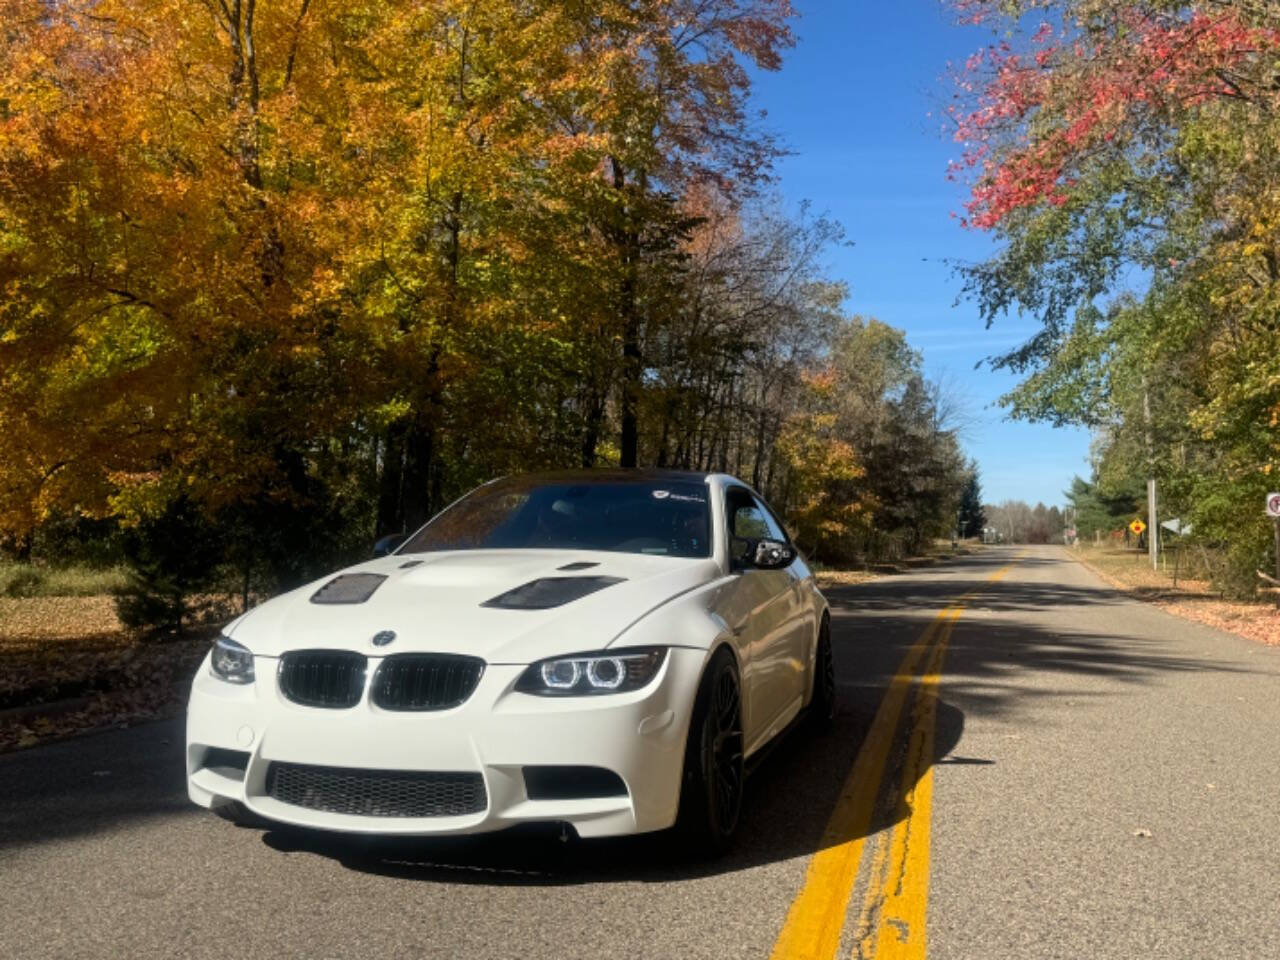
x,y
639,736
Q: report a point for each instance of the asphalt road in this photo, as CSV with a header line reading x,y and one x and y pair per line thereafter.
x,y
1025,764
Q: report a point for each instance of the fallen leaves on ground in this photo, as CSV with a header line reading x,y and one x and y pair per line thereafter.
x,y
60,652
1253,621
843,578
57,617
117,708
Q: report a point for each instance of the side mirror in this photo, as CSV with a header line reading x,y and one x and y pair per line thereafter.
x,y
772,555
389,544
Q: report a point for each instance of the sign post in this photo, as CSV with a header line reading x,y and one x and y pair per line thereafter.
x,y
1273,511
1136,528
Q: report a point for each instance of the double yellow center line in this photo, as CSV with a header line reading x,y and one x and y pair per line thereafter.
x,y
892,920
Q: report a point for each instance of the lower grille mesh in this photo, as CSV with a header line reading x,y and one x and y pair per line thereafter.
x,y
377,793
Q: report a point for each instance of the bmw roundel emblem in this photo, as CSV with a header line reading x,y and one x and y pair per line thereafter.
x,y
383,637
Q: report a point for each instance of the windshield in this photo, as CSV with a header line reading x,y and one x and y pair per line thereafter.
x,y
660,517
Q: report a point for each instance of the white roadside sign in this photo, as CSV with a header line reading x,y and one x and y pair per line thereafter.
x,y
1273,505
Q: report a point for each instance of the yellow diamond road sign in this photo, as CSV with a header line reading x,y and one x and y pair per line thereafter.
x,y
1137,527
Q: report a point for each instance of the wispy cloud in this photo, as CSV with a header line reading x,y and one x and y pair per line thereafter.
x,y
976,344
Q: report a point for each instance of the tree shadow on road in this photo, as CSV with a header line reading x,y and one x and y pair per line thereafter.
x,y
793,793
998,665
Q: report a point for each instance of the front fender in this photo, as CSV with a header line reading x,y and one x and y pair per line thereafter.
x,y
689,620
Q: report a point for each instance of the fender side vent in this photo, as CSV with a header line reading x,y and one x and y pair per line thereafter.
x,y
548,592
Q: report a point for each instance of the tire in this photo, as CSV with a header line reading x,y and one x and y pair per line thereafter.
x,y
237,813
714,775
822,705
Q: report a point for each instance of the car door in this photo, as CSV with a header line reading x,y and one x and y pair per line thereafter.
x,y
801,631
762,613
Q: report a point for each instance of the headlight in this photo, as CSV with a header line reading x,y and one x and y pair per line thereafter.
x,y
231,661
584,674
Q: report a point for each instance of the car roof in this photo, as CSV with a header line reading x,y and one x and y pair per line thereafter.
x,y
615,475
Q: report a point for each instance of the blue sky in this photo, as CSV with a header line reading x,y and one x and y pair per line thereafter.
x,y
858,103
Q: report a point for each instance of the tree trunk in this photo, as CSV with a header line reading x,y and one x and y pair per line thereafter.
x,y
591,433
631,372
628,243
419,471
391,481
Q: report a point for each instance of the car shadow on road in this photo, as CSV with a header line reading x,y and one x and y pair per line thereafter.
x,y
789,798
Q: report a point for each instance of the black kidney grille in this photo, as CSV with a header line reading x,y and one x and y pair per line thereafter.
x,y
323,678
377,793
425,681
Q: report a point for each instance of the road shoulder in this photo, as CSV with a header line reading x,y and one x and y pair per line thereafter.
x,y
1252,621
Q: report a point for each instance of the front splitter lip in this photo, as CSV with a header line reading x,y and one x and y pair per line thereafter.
x,y
639,737
593,817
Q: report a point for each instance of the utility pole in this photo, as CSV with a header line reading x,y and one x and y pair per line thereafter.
x,y
1153,522
1153,540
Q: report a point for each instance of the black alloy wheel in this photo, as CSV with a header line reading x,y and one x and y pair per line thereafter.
x,y
711,795
822,707
723,739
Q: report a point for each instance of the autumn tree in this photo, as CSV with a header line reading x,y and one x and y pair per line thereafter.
x,y
891,468
664,98
300,274
1118,140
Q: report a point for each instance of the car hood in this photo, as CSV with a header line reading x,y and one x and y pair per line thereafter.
x,y
435,602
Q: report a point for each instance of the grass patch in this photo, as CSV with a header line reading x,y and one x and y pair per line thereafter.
x,y
1130,569
38,580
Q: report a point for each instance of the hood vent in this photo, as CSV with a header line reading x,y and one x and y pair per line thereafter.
x,y
349,588
579,565
548,592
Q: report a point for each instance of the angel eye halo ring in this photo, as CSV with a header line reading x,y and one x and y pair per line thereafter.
x,y
593,674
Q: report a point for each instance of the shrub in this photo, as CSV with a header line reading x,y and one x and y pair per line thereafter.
x,y
23,581
173,568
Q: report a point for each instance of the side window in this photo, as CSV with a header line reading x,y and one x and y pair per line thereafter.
x,y
775,531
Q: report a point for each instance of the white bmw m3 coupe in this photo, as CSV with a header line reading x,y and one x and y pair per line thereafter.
x,y
603,649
